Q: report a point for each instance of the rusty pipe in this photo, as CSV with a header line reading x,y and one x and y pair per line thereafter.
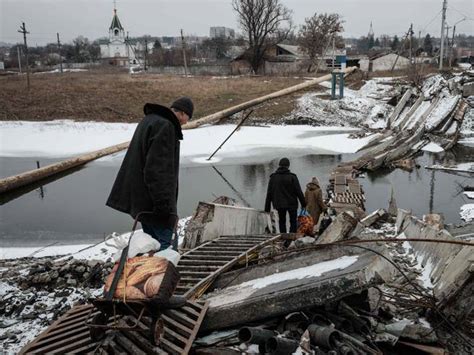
x,y
254,335
326,337
281,346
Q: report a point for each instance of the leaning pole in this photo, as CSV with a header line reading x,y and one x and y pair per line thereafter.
x,y
29,177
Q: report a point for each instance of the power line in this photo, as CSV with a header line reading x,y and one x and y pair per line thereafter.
x,y
460,12
431,21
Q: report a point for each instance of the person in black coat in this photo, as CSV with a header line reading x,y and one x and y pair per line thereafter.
x,y
147,182
283,193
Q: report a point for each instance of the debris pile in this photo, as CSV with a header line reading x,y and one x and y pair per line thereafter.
x,y
36,291
370,298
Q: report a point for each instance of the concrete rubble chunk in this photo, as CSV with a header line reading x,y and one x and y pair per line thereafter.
x,y
435,220
401,216
305,283
212,220
373,217
340,228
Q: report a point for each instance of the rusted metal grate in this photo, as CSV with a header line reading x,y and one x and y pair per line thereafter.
x,y
71,335
198,268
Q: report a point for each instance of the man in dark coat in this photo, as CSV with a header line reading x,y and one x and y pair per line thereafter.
x,y
283,193
147,182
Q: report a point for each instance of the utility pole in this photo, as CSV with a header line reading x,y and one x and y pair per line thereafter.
x,y
146,52
333,51
411,43
447,44
443,20
183,44
19,57
24,31
59,52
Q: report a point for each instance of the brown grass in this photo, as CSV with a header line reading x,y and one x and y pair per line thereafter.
x,y
119,97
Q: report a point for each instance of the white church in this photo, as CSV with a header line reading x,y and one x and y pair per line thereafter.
x,y
116,50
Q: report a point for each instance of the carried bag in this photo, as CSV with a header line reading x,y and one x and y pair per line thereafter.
x,y
305,223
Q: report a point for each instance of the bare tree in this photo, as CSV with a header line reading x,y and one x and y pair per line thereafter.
x,y
317,34
262,23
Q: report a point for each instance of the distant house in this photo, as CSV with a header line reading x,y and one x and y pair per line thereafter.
x,y
383,61
279,59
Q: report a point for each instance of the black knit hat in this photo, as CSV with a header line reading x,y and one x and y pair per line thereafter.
x,y
185,105
285,162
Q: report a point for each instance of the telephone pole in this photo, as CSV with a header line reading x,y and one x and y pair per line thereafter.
x,y
411,43
184,54
19,57
146,52
448,46
24,31
443,20
59,52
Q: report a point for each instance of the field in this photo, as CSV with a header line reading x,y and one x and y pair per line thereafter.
x,y
119,97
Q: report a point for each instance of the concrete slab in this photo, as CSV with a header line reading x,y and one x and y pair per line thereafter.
x,y
293,290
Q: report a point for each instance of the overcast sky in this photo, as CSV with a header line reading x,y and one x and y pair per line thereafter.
x,y
91,18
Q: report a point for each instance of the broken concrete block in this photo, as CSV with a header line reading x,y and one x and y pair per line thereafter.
x,y
392,205
374,217
340,228
359,228
434,219
468,89
304,242
401,216
212,220
419,333
295,289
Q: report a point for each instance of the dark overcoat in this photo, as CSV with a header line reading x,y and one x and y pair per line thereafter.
x,y
284,191
148,177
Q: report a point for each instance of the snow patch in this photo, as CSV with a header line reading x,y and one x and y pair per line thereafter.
x,y
467,212
469,194
433,148
301,273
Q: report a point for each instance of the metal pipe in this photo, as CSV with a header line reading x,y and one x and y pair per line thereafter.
x,y
253,335
281,346
323,336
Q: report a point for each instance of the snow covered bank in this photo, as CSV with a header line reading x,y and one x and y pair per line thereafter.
x,y
60,139
364,106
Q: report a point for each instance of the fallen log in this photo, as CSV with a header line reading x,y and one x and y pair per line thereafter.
x,y
13,182
245,105
29,177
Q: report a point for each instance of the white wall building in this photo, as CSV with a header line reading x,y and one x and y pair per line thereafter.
x,y
116,50
384,62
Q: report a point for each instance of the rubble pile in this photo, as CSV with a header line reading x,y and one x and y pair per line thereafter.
x,y
37,291
294,301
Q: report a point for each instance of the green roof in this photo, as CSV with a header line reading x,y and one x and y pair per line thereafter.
x,y
115,22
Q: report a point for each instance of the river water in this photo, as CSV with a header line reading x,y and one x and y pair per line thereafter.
x,y
72,209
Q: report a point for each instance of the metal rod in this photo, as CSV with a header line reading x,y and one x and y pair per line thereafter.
x,y
232,187
230,135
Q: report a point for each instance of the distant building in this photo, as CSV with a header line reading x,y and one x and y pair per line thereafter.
x,y
115,50
384,61
2,66
221,32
